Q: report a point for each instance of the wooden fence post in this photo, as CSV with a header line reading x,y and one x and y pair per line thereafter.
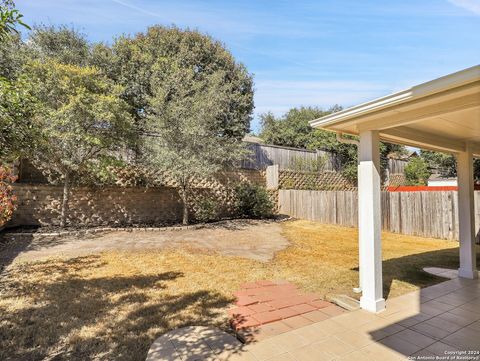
x,y
272,177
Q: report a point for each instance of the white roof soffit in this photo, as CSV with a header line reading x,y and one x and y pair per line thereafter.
x,y
442,114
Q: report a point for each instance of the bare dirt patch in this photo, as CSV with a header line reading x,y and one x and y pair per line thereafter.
x,y
257,240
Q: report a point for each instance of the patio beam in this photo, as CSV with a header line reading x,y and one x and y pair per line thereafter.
x,y
419,110
421,139
466,215
369,218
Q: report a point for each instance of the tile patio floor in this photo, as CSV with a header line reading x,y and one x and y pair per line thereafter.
x,y
435,321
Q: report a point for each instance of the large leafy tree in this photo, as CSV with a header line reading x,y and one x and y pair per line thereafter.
x,y
81,119
18,129
176,84
12,57
446,164
64,44
189,97
138,62
10,19
17,106
292,129
14,106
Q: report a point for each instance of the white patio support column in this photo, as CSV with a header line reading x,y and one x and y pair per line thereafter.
x,y
369,219
466,215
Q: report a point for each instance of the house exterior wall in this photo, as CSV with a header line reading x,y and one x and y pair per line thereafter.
x,y
442,183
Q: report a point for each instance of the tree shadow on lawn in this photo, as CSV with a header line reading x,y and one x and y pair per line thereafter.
x,y
11,247
50,312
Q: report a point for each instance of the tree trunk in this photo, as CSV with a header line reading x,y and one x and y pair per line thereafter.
x,y
66,196
184,196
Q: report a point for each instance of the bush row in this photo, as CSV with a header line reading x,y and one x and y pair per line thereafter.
x,y
251,201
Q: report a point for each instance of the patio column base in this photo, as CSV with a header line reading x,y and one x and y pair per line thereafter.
x,y
372,305
468,273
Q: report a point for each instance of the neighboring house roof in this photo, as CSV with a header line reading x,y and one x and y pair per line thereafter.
x,y
406,157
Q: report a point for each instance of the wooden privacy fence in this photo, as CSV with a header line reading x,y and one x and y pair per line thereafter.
x,y
396,166
262,155
427,214
287,158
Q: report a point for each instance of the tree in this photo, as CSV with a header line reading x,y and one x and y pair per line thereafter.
x,y
191,97
64,44
81,118
417,172
16,105
7,198
18,129
10,18
12,57
293,129
446,164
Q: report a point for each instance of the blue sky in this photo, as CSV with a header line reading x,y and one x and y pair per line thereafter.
x,y
301,52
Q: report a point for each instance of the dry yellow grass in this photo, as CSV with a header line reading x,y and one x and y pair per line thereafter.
x,y
111,306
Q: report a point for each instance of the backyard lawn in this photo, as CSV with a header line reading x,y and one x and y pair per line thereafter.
x,y
112,305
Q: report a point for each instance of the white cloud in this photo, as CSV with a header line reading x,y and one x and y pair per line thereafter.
x,y
138,8
224,18
470,5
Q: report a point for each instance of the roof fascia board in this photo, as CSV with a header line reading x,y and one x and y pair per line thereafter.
x,y
442,84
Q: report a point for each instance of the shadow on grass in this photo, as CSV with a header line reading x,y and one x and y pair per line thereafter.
x,y
49,311
11,247
409,268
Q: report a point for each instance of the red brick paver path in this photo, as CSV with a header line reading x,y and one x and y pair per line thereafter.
x,y
267,308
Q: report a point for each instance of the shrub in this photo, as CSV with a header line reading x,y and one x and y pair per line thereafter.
x,y
7,198
302,164
253,201
206,209
350,172
416,172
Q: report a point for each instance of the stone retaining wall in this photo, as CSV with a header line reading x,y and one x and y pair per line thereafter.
x,y
40,204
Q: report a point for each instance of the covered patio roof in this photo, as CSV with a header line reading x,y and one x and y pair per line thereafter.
x,y
442,115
